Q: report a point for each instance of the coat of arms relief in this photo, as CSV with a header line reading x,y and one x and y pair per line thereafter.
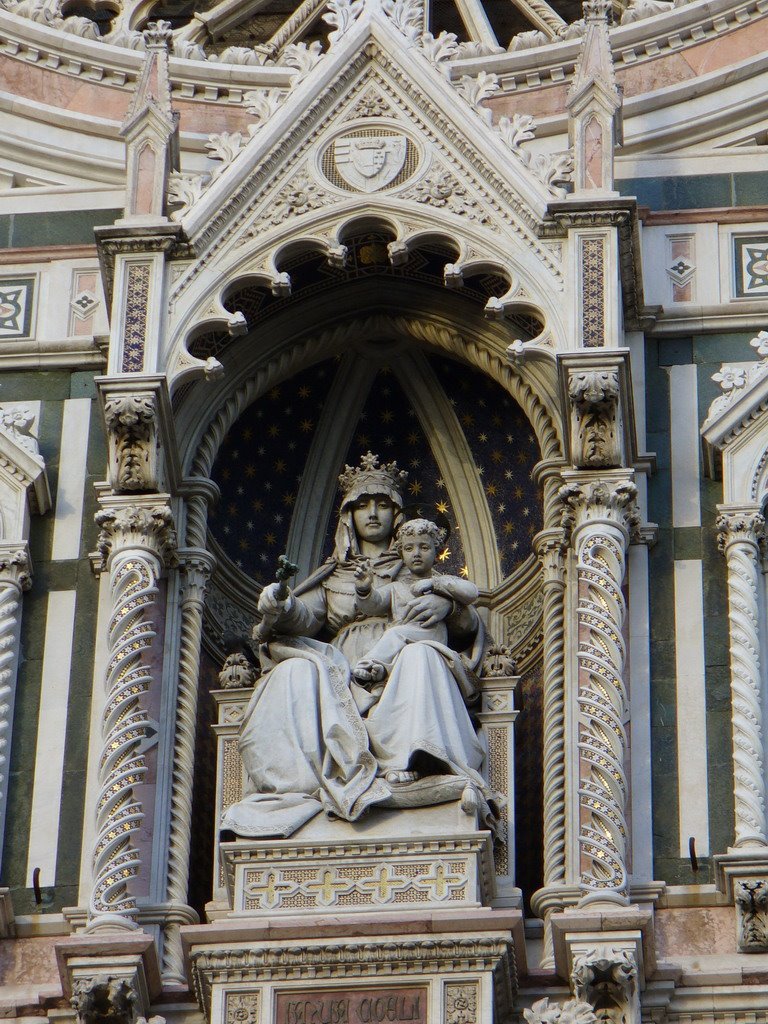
x,y
368,163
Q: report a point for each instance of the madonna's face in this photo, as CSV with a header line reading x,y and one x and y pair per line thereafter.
x,y
373,516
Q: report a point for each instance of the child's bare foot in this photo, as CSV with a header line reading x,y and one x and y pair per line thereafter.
x,y
369,671
402,776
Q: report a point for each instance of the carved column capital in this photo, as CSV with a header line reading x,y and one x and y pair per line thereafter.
x,y
131,421
148,527
744,526
196,566
550,546
602,501
15,565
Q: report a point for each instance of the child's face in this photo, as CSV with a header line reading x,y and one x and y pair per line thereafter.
x,y
419,553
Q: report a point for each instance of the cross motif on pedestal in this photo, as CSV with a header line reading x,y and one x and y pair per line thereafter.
x,y
326,887
440,883
382,885
270,889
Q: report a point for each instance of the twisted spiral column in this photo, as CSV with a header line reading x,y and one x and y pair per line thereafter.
x,y
14,579
132,542
740,533
550,548
196,564
605,513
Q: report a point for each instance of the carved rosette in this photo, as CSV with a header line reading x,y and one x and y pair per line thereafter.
x,y
131,421
740,534
134,540
606,977
550,548
605,515
751,897
196,567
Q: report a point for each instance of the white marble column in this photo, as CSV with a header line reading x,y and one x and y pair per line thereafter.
x,y
196,566
604,517
740,533
15,578
134,543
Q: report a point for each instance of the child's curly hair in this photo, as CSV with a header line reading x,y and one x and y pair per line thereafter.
x,y
413,527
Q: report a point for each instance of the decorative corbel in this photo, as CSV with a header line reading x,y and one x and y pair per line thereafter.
x,y
132,434
596,433
751,898
104,1000
111,982
607,977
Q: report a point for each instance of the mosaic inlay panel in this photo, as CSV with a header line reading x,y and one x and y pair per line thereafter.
x,y
16,307
750,258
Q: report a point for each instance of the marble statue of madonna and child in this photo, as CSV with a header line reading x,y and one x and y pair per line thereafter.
x,y
368,671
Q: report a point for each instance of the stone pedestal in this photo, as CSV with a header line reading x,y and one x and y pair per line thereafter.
x,y
391,860
420,967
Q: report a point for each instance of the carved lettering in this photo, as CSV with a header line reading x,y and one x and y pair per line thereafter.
x,y
351,1006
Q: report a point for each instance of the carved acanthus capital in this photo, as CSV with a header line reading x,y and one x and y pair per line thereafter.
x,y
601,501
751,898
595,424
550,546
131,421
136,526
606,977
742,526
104,1000
15,566
196,565
574,1011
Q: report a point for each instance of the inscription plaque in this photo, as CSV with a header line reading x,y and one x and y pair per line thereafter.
x,y
353,1006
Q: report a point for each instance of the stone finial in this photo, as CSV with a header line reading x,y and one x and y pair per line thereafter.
x,y
594,104
150,130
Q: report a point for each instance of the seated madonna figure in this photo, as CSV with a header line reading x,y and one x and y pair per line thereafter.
x,y
313,738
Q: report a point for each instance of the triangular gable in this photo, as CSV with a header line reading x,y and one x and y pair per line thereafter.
x,y
374,65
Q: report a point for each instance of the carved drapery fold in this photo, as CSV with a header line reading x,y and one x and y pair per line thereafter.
x,y
740,533
196,565
604,517
134,543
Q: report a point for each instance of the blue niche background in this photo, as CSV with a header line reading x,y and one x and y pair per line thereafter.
x,y
259,466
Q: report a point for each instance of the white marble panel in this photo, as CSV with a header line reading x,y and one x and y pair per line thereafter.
x,y
68,521
51,735
693,802
685,445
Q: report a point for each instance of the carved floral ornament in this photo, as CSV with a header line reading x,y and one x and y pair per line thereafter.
x,y
188,41
371,163
736,381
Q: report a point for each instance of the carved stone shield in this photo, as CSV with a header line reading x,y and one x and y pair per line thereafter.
x,y
369,163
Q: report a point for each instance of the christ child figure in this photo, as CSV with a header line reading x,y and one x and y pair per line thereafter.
x,y
417,543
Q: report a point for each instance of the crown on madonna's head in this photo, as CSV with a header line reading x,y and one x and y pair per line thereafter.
x,y
371,477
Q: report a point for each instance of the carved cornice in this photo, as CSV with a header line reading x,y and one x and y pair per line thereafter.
x,y
353,960
114,240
